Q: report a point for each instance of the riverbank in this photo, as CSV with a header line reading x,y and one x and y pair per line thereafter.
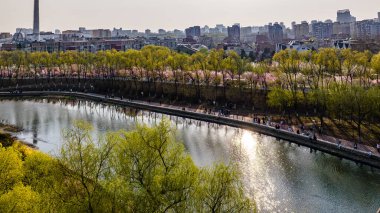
x,y
343,126
8,138
345,150
10,128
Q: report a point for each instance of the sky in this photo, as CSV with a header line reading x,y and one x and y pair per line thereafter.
x,y
173,14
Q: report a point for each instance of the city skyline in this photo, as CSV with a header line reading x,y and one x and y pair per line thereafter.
x,y
71,14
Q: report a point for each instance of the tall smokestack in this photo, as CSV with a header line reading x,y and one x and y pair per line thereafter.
x,y
36,21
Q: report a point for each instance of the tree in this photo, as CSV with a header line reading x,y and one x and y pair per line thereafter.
x,y
178,63
289,64
319,99
258,74
155,169
40,171
363,103
363,60
238,66
21,199
144,170
135,62
84,165
44,175
349,64
225,194
199,64
215,60
280,98
11,171
375,63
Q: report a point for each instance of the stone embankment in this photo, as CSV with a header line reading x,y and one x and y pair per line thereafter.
x,y
358,155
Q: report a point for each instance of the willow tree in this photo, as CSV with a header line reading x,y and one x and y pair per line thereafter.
x,y
349,64
161,55
134,62
363,102
68,59
155,170
36,61
289,64
149,65
281,99
375,64
238,66
327,62
363,68
178,63
85,165
199,63
18,61
215,60
258,74
10,169
225,194
48,62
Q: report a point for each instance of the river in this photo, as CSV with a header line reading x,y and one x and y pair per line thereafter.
x,y
282,177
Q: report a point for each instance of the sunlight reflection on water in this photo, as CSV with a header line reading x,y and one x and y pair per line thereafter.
x,y
279,175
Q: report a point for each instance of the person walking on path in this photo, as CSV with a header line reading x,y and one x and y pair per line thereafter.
x,y
339,143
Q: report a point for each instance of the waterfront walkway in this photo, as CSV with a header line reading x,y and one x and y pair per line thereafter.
x,y
363,154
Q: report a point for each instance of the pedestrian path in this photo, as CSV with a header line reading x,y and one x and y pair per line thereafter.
x,y
344,143
364,149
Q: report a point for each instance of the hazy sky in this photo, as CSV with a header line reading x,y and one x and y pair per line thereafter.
x,y
170,14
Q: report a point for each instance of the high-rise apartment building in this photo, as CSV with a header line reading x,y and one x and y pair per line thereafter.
x,y
341,28
366,29
192,32
301,30
322,30
344,16
101,33
275,33
5,35
234,32
161,31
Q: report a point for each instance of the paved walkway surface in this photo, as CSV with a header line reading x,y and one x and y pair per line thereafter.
x,y
344,143
330,139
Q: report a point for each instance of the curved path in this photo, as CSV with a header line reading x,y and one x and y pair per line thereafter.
x,y
364,154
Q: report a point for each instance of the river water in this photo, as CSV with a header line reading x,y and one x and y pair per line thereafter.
x,y
281,176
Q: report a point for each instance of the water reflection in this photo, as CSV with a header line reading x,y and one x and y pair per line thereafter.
x,y
281,176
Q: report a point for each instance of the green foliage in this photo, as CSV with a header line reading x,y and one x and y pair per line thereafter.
x,y
337,83
21,199
84,165
224,194
362,103
40,171
279,98
144,170
156,169
375,63
308,79
11,171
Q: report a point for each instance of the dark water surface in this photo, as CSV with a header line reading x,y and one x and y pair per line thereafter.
x,y
282,176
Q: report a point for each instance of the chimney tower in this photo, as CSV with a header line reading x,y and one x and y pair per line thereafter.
x,y
36,20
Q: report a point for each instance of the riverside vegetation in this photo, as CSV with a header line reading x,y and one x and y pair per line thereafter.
x,y
339,88
144,170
